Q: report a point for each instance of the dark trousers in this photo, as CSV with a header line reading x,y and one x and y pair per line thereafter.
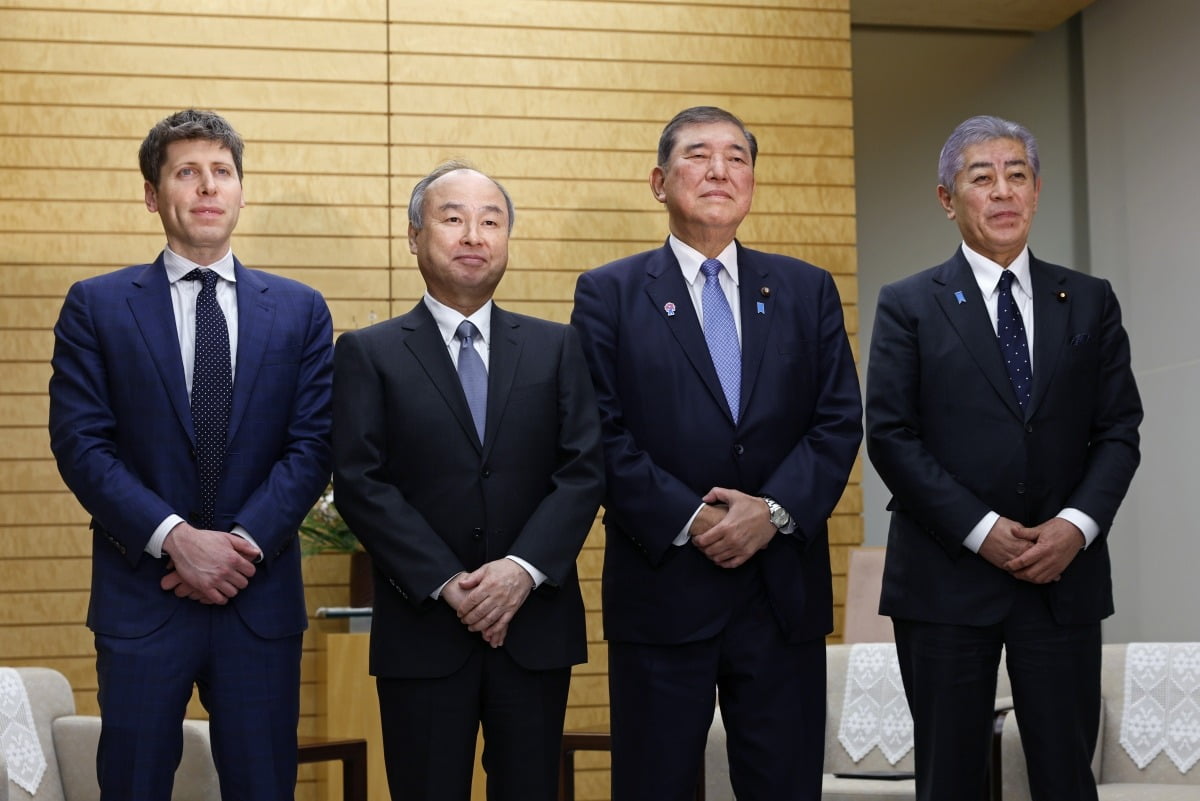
x,y
430,727
249,685
772,696
949,674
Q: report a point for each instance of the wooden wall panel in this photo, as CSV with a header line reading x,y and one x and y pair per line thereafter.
x,y
344,105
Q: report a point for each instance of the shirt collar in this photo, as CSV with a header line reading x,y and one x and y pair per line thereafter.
x,y
448,319
689,259
178,266
987,272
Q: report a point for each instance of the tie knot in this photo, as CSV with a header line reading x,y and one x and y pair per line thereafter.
x,y
466,331
1006,280
710,267
207,277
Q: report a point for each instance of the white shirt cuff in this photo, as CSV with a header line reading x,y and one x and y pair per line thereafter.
x,y
535,574
154,546
1082,521
975,539
682,537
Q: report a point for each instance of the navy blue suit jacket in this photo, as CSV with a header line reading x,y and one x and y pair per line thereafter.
x,y
669,438
950,441
121,431
428,499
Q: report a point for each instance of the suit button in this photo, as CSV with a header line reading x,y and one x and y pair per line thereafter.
x,y
1020,487
477,533
738,450
485,473
1028,428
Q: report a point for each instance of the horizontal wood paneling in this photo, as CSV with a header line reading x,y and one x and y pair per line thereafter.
x,y
344,105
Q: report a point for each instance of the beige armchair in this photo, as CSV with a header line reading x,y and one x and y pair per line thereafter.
x,y
1117,777
69,742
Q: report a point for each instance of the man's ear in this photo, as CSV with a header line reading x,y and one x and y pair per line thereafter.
x,y
657,184
151,198
946,200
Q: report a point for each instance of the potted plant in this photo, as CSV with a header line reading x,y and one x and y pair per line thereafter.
x,y
324,531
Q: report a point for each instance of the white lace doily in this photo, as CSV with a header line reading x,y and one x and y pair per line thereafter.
x,y
1162,703
874,710
18,737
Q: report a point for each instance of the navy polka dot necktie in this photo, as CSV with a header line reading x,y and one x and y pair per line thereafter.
x,y
720,333
1013,343
212,391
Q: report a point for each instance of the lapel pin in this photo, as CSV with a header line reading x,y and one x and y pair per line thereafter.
x,y
765,291
762,307
960,297
1062,296
669,308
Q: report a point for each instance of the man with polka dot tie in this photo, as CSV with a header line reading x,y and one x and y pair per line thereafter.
x,y
190,407
1003,415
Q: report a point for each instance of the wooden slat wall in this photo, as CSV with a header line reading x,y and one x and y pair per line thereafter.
x,y
344,104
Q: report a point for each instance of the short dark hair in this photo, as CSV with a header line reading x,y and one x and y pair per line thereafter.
x,y
416,202
698,115
185,125
976,131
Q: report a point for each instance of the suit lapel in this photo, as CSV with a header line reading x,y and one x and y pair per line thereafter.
x,y
150,304
957,292
504,354
673,303
1050,318
256,316
756,325
427,346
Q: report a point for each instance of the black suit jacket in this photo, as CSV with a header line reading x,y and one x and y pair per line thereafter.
x,y
669,438
950,441
428,500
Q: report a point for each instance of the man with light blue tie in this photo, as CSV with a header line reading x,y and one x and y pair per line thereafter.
x,y
467,461
190,414
731,417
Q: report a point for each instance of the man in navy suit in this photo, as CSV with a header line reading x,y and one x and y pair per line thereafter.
x,y
467,460
724,463
194,586
1004,485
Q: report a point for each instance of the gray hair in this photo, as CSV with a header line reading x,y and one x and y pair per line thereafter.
x,y
699,115
186,125
416,203
976,131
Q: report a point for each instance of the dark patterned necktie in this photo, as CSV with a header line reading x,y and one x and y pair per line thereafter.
x,y
720,333
472,374
1013,343
212,391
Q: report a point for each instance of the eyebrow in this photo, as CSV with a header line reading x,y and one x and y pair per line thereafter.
x,y
979,165
700,145
452,205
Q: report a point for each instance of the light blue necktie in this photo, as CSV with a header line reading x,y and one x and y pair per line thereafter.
x,y
720,333
1013,342
472,374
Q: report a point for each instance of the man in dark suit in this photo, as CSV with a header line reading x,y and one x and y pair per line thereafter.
x,y
731,415
1004,486
190,413
467,460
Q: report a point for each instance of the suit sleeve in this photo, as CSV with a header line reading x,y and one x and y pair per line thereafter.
x,y
402,544
273,512
810,480
1113,449
83,432
555,532
638,489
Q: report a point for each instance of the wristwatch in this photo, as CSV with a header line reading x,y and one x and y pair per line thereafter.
x,y
780,518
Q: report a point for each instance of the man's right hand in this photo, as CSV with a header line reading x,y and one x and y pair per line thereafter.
x,y
209,566
1002,544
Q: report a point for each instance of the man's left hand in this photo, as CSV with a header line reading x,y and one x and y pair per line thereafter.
x,y
494,594
744,531
1055,544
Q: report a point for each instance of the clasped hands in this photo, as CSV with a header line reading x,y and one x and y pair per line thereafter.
x,y
1038,555
207,566
486,599
731,527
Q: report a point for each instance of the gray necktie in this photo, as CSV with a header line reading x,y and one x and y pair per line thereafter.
x,y
721,334
472,374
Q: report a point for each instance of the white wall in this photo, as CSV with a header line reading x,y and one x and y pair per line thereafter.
x,y
1141,61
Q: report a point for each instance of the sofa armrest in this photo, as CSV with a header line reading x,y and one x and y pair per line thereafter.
x,y
3,777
